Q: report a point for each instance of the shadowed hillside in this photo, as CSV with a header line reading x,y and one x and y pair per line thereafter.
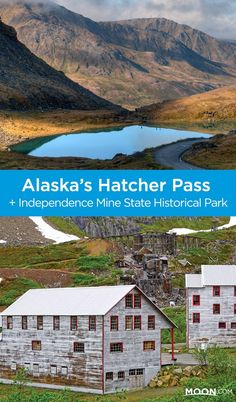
x,y
27,82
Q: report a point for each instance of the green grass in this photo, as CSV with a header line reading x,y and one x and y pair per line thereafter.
x,y
100,263
211,253
93,280
66,225
200,223
11,393
96,271
178,316
11,289
58,256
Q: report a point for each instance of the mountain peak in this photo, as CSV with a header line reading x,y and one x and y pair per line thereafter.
x,y
134,62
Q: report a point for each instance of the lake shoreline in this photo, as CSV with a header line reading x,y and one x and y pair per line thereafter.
x,y
17,127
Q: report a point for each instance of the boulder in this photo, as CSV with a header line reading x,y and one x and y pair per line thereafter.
x,y
153,384
177,371
187,371
173,382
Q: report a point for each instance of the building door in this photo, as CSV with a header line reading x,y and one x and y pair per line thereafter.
x,y
136,378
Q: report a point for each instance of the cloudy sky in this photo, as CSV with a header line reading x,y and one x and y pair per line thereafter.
x,y
216,17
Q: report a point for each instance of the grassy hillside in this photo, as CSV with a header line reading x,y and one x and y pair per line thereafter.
x,y
200,223
219,104
218,153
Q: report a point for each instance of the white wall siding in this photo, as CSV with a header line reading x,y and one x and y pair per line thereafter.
x,y
133,356
84,369
208,328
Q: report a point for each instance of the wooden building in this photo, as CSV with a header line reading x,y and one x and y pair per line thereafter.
x,y
211,306
98,339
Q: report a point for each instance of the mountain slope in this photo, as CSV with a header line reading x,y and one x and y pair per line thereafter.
x,y
219,104
26,82
198,41
133,63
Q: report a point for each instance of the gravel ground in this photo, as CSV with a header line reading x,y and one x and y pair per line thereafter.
x,y
19,232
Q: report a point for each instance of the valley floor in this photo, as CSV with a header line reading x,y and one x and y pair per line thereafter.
x,y
218,153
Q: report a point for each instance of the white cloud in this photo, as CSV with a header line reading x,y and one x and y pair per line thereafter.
x,y
216,17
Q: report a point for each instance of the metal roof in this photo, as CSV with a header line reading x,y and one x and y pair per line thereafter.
x,y
212,275
219,275
73,301
68,301
193,281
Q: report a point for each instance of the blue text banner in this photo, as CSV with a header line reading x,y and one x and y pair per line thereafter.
x,y
118,193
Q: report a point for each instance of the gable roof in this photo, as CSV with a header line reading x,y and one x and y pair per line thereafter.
x,y
68,301
72,301
212,275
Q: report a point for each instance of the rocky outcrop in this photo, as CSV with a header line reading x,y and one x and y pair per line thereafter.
x,y
174,376
105,227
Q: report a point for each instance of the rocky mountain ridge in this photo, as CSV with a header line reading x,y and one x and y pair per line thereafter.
x,y
133,63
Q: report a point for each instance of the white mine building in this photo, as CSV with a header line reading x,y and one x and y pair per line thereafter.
x,y
98,339
211,306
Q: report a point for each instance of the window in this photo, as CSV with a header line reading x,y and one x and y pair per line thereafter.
x,y
216,290
24,322
27,366
137,322
116,347
234,308
114,324
56,323
235,291
36,345
148,345
137,301
136,372
78,347
222,325
92,323
121,375
40,322
64,370
35,368
196,300
129,323
73,323
233,325
196,318
109,376
129,301
216,308
13,366
151,322
53,370
140,371
9,322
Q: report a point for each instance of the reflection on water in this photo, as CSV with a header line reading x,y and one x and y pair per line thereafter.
x,y
105,144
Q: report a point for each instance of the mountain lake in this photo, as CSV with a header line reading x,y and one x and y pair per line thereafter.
x,y
104,143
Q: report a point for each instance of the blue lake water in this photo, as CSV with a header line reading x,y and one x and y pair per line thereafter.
x,y
104,144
